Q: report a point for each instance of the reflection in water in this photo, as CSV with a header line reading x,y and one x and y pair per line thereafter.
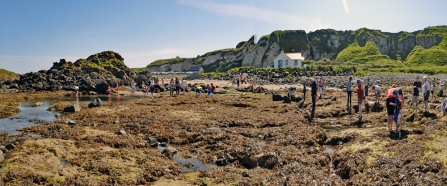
x,y
26,118
30,115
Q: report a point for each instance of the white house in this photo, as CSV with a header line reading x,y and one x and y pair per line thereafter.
x,y
288,60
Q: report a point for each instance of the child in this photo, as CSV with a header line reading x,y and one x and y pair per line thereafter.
x,y
198,91
152,88
109,91
213,89
146,90
402,103
210,90
398,106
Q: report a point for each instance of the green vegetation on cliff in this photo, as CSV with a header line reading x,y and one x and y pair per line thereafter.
x,y
434,56
290,40
168,61
101,60
8,75
355,53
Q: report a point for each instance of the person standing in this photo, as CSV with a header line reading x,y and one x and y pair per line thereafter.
x,y
321,86
426,91
208,88
397,106
349,89
238,81
177,86
213,88
184,84
163,81
134,87
149,81
313,88
171,88
402,104
390,107
76,90
416,89
360,97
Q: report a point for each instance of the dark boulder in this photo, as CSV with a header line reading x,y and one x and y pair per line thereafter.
x,y
95,103
73,108
277,97
286,99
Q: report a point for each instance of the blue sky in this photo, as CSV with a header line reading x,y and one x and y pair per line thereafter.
x,y
34,34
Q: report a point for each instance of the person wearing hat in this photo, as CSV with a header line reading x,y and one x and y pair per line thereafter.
x,y
313,88
416,89
426,92
76,90
360,96
390,106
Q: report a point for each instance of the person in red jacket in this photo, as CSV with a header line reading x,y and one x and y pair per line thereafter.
x,y
213,88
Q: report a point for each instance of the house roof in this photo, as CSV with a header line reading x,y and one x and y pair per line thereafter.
x,y
294,55
194,68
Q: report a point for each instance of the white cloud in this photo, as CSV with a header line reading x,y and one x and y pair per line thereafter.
x,y
345,5
286,20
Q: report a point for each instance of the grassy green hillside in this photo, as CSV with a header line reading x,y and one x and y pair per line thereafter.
x,y
8,75
101,60
433,56
355,53
168,61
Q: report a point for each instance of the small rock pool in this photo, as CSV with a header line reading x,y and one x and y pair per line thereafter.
x,y
30,115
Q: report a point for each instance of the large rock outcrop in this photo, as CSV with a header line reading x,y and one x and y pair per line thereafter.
x,y
316,45
95,73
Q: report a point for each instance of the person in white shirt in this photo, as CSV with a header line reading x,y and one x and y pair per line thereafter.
x,y
377,90
184,86
76,90
426,91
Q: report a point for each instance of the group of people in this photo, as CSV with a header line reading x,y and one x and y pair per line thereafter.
x,y
395,100
211,89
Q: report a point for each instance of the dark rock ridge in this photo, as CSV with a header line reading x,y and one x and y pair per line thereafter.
x,y
317,45
95,73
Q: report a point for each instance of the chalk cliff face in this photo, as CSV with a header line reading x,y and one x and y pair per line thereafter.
x,y
316,45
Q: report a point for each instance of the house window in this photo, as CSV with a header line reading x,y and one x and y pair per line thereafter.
x,y
295,63
287,63
279,63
